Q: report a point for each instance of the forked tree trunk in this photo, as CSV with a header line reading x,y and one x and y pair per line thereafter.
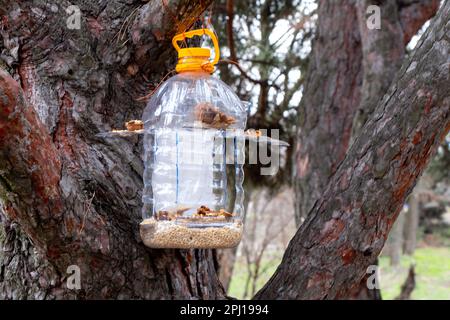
x,y
351,67
348,226
70,197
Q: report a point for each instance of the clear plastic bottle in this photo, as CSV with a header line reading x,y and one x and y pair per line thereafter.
x,y
194,153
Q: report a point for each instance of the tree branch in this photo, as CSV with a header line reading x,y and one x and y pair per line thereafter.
x,y
348,74
347,227
384,49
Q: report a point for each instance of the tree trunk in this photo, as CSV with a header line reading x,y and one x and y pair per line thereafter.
x,y
395,240
408,286
412,222
347,227
69,197
350,69
329,101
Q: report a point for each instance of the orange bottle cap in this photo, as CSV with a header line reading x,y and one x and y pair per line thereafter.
x,y
196,58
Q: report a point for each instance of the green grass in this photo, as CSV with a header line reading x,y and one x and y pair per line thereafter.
x,y
432,267
237,284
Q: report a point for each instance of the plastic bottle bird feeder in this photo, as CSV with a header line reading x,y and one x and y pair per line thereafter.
x,y
194,146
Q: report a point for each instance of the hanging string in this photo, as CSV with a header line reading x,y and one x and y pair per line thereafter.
x,y
147,96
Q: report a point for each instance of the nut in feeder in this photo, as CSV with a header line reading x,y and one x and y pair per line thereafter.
x,y
193,142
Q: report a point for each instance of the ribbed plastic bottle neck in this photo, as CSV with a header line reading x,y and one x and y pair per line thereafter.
x,y
194,64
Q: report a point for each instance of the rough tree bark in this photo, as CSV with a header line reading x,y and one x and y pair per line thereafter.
x,y
383,53
69,197
350,70
72,198
347,227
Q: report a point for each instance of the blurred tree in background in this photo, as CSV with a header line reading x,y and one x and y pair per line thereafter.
x,y
265,45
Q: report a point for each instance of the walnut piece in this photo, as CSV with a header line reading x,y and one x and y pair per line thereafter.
x,y
203,214
163,215
203,211
253,133
212,116
134,125
225,213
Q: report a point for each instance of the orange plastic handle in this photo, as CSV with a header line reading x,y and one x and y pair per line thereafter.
x,y
198,32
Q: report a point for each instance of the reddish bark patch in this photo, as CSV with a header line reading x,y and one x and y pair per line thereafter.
x,y
64,141
159,34
10,212
321,281
417,138
332,230
53,252
348,255
2,131
4,21
189,257
389,223
40,158
407,174
9,91
70,224
27,73
95,263
404,182
426,151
